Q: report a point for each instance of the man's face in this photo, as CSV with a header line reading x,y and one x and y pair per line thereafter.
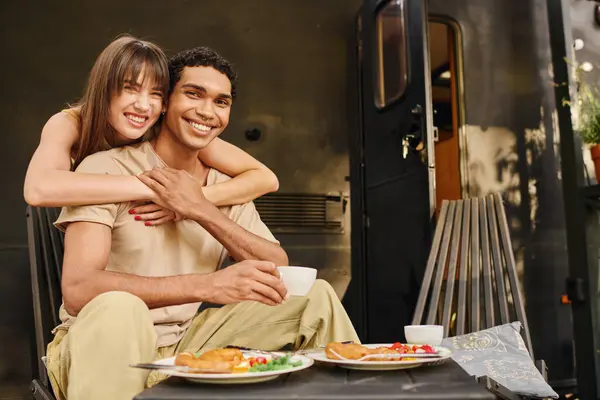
x,y
199,106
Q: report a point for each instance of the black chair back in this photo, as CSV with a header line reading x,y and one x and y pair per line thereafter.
x,y
46,246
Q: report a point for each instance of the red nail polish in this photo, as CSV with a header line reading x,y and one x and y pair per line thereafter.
x,y
132,211
137,218
147,223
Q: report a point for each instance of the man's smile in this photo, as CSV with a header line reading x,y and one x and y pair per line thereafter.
x,y
200,127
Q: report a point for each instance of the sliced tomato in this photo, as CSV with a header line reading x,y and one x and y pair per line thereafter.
x,y
261,360
427,348
396,346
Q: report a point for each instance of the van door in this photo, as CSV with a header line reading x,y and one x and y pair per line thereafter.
x,y
393,196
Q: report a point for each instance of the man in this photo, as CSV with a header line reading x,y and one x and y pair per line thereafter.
x,y
131,292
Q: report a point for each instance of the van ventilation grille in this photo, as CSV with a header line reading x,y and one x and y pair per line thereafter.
x,y
302,213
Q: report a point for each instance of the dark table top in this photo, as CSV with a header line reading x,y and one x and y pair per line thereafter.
x,y
444,382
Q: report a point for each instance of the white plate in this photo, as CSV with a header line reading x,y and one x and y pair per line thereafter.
x,y
383,365
248,377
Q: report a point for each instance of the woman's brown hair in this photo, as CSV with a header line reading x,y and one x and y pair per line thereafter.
x,y
124,59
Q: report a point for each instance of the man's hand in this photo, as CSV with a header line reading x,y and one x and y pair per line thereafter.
x,y
248,281
176,190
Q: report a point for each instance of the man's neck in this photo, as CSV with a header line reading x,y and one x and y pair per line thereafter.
x,y
175,154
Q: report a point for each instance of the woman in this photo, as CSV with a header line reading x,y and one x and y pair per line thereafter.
x,y
128,72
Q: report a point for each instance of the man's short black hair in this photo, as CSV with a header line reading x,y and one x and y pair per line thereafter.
x,y
200,57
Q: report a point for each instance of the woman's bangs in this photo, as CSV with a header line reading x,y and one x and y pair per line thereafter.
x,y
148,65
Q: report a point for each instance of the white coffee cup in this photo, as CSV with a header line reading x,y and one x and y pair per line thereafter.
x,y
297,280
424,334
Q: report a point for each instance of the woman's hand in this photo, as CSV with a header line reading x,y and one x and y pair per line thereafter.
x,y
152,214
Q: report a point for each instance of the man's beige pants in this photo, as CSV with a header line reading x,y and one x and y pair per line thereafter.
x,y
90,360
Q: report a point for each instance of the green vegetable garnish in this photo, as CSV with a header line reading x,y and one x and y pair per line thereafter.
x,y
276,364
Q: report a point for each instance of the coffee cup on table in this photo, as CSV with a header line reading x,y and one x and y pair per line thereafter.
x,y
297,280
424,334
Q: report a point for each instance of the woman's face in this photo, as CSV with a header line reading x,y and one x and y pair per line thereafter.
x,y
133,111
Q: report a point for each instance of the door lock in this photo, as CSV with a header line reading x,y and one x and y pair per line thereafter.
x,y
409,141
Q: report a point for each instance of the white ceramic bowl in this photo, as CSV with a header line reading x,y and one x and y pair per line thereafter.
x,y
424,334
298,280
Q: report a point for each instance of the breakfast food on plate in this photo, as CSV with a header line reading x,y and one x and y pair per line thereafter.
x,y
217,361
226,361
190,360
350,351
228,355
354,351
